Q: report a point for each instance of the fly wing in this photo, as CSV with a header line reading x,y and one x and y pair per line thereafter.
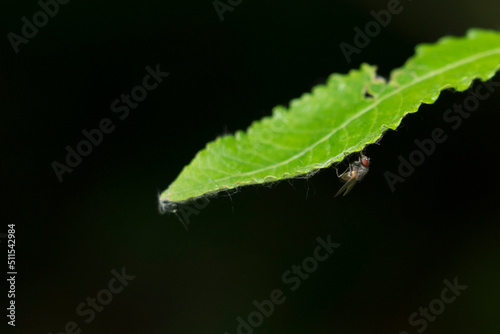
x,y
347,187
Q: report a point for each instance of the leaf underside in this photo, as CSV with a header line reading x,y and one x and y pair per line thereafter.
x,y
340,117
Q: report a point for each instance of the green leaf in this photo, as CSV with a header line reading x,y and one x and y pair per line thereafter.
x,y
338,118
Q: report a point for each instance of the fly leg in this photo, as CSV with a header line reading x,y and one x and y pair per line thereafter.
x,y
345,171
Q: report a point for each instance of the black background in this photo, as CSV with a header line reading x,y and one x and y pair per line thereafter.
x,y
396,248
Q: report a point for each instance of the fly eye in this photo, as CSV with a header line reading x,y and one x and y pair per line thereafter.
x,y
365,162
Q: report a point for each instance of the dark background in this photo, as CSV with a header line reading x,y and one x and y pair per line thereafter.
x,y
396,248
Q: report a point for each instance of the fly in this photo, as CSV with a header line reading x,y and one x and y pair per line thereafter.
x,y
355,173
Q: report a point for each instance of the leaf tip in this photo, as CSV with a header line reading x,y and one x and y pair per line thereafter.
x,y
165,206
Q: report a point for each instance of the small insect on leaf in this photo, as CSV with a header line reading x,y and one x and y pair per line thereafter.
x,y
356,172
